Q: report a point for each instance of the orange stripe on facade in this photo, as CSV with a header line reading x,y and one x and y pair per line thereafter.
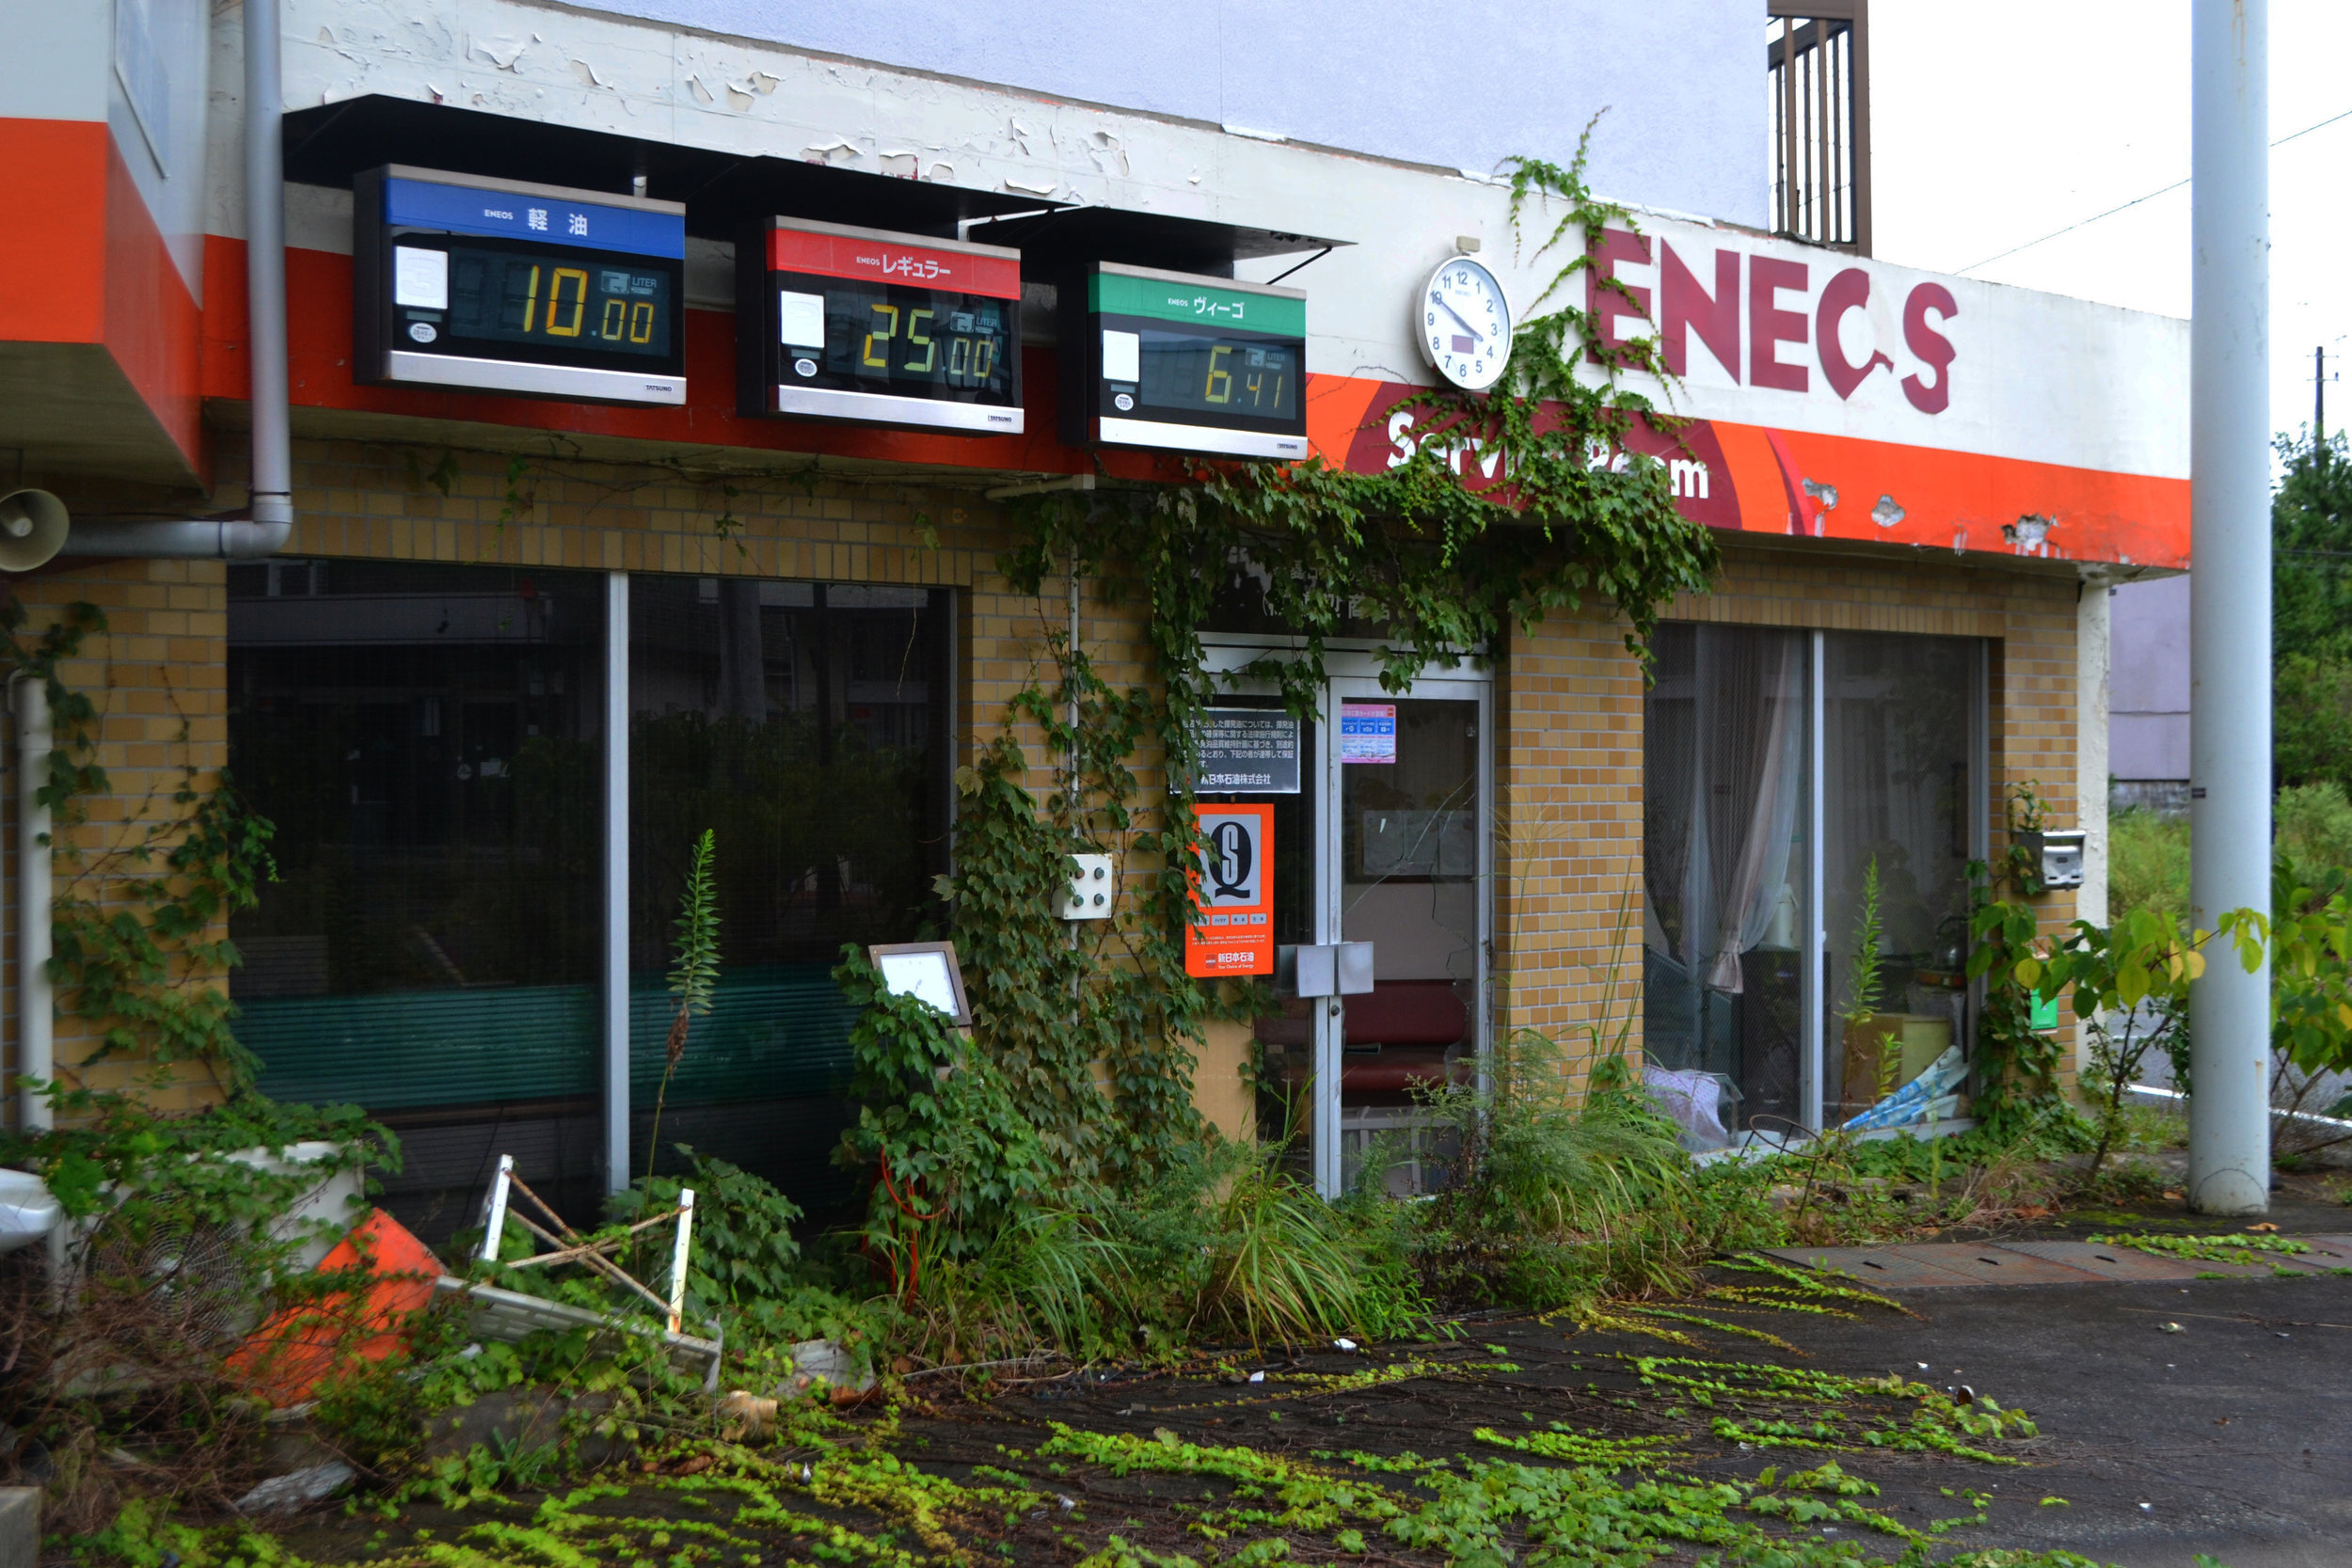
x,y
153,323
82,261
54,189
1734,477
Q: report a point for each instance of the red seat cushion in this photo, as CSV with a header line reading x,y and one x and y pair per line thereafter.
x,y
1407,1012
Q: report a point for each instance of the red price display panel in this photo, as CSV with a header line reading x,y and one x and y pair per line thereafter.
x,y
858,326
1235,892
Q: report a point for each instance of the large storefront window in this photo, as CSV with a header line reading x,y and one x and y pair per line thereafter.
x,y
1899,723
1724,863
805,725
425,738
1736,845
428,742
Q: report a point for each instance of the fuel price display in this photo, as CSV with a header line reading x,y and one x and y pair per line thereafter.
x,y
496,286
858,326
1181,363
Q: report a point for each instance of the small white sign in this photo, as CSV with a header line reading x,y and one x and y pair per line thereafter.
x,y
921,975
1123,356
800,319
421,278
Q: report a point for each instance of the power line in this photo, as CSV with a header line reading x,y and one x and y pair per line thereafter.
x,y
2133,203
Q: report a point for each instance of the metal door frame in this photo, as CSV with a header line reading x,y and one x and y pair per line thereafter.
x,y
1353,675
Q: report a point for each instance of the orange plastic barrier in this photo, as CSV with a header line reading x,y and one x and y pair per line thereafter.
x,y
287,1357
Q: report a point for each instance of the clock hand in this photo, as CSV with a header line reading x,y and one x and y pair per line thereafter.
x,y
1465,321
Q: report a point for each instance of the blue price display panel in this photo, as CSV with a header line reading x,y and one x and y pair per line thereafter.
x,y
496,286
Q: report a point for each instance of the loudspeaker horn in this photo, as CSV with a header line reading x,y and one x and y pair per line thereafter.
x,y
33,526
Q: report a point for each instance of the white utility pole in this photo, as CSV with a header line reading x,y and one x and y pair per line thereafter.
x,y
2229,1117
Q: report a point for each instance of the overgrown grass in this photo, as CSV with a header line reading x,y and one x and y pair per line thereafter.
x,y
2147,864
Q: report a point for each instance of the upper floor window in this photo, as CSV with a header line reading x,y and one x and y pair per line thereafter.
x,y
1816,61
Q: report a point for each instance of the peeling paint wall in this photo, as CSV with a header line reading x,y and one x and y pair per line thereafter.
x,y
2036,376
1459,85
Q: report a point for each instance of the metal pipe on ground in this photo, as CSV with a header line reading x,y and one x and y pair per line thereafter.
x,y
2228,1128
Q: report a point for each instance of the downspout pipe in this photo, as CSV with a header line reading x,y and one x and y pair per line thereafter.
x,y
270,520
36,1009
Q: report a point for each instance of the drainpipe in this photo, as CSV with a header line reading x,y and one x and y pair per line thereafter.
x,y
271,520
263,532
29,699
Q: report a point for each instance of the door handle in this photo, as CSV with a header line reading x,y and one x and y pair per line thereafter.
x,y
1333,969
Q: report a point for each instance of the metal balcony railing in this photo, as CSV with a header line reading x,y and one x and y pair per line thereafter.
x,y
1818,65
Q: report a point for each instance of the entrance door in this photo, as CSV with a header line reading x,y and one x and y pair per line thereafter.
x,y
1408,850
1387,843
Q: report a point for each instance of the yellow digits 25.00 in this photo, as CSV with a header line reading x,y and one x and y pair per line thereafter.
x,y
931,350
890,329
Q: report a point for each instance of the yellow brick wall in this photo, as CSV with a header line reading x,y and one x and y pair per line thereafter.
x,y
1569,754
1568,797
157,677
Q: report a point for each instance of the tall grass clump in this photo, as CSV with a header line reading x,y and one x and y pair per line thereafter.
x,y
1562,1192
2148,866
2312,827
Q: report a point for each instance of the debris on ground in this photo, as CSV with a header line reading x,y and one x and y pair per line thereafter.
x,y
297,1489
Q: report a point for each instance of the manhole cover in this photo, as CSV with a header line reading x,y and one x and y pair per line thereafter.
x,y
1993,1265
1874,1266
2119,1263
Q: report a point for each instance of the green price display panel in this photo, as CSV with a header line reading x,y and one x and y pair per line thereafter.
x,y
1191,364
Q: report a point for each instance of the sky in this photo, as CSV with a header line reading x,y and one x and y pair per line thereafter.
x,y
1995,124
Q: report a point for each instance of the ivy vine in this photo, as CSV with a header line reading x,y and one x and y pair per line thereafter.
x,y
1446,566
137,938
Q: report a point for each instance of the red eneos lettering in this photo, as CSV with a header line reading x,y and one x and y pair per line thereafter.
x,y
1849,291
1930,347
1605,298
1682,305
1768,328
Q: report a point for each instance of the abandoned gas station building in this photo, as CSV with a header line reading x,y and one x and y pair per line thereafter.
x,y
646,388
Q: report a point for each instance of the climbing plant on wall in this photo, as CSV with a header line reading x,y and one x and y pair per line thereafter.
x,y
136,931
1555,509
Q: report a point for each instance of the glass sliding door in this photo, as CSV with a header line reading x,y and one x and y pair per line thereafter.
x,y
807,726
1742,726
1387,844
1409,827
1899,720
425,740
1724,857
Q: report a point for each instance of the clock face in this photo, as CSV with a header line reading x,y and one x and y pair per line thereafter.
x,y
1464,325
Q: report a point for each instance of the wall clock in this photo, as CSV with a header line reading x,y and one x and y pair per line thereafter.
x,y
1462,324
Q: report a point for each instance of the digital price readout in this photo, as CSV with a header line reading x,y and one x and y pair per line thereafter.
x,y
1180,363
495,286
862,327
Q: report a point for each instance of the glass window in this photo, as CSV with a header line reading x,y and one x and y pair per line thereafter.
x,y
807,725
1723,865
425,740
1898,717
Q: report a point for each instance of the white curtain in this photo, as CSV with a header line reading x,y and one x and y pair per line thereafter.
x,y
1760,869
